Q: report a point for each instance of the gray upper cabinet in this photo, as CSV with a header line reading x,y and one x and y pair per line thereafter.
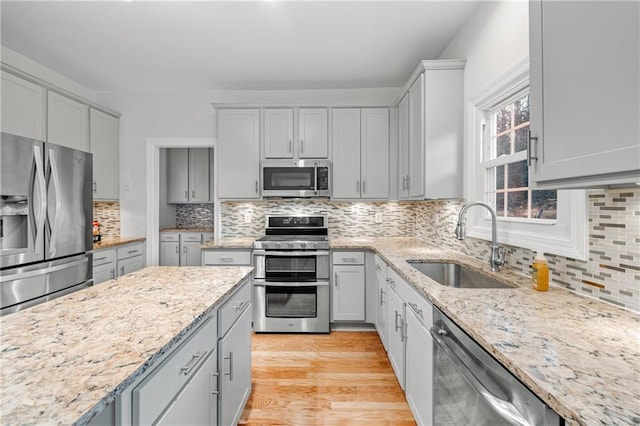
x,y
430,132
189,172
313,133
239,153
278,133
105,146
585,94
67,122
360,153
23,107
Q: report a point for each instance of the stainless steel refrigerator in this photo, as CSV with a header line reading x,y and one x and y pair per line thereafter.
x,y
46,220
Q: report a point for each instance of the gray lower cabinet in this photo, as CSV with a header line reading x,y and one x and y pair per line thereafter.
x,y
348,289
196,404
180,249
182,386
395,339
130,258
419,365
381,321
235,366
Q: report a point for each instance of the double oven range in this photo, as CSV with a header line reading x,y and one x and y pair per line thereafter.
x,y
291,278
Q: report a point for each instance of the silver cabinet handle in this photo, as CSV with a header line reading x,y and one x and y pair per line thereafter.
x,y
378,268
99,259
530,157
230,373
335,283
241,305
226,259
381,296
408,182
404,183
184,249
186,193
95,186
364,186
193,193
177,250
358,186
414,306
122,270
301,146
391,281
290,145
256,186
396,321
113,273
349,259
186,370
214,379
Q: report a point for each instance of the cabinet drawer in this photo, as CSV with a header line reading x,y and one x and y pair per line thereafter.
x,y
414,300
130,264
226,257
154,393
130,251
169,236
232,309
348,258
191,236
102,257
381,266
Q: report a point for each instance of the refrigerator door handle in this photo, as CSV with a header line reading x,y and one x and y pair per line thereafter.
x,y
55,176
38,220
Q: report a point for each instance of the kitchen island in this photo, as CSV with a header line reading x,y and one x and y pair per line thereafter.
x,y
64,361
579,355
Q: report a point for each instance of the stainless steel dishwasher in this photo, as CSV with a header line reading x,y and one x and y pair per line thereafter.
x,y
472,388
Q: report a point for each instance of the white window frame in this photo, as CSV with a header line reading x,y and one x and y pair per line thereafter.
x,y
565,236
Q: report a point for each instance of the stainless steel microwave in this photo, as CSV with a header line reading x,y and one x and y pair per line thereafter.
x,y
296,178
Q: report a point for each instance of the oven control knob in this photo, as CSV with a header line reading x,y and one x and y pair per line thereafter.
x,y
277,245
290,245
303,245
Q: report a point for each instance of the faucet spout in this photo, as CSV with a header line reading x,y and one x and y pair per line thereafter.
x,y
498,254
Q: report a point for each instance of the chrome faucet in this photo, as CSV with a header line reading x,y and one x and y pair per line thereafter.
x,y
497,254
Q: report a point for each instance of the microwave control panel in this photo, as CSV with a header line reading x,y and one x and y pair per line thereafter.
x,y
323,178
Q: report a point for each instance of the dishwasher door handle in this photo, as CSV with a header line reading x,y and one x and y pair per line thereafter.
x,y
502,407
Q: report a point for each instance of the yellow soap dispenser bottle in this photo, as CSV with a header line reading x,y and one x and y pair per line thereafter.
x,y
540,272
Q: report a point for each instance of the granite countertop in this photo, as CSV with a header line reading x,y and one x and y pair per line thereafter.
x,y
63,361
230,243
114,242
579,355
201,229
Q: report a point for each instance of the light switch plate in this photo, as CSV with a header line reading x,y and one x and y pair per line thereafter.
x,y
247,218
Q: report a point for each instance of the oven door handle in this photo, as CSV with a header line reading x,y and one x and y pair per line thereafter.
x,y
257,283
290,253
502,407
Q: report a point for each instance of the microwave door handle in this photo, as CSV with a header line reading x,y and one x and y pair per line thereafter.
x,y
38,220
315,176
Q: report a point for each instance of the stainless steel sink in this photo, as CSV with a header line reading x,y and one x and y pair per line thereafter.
x,y
454,275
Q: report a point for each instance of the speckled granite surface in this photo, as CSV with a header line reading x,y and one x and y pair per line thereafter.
x,y
114,242
238,243
64,360
581,356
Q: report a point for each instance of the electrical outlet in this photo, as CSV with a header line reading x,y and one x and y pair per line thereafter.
x,y
247,218
379,217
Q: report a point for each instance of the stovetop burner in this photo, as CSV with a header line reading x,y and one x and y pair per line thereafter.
x,y
294,233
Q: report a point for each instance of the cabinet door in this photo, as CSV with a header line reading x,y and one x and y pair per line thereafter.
x,y
238,145
278,133
131,264
348,293
67,122
235,366
104,272
178,175
374,145
105,146
169,253
419,369
199,175
395,340
22,107
584,69
382,323
403,147
190,253
416,138
346,153
196,403
312,125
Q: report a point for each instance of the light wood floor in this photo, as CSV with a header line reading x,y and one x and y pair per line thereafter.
x,y
339,378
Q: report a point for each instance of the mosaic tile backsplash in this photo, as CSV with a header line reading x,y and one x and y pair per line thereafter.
x,y
194,215
611,274
108,214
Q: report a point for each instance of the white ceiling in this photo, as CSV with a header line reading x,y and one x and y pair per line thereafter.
x,y
179,45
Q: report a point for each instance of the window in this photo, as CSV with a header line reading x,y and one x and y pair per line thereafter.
x,y
496,171
505,135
